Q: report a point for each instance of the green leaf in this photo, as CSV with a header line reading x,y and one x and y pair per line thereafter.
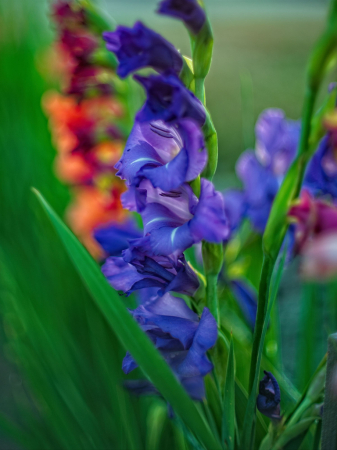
x,y
129,333
228,418
247,441
296,431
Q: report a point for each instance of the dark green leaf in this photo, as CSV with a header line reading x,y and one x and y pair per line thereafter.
x,y
249,420
228,418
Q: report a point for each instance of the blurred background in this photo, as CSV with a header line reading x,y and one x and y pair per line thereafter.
x,y
261,49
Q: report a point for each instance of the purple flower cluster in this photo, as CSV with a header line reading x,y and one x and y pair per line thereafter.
x,y
164,153
182,338
262,170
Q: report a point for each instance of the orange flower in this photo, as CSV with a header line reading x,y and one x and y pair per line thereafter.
x,y
93,207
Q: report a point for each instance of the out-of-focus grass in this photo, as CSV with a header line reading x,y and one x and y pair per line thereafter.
x,y
62,384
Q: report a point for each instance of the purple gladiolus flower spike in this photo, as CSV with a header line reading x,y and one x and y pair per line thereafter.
x,y
268,400
139,270
140,47
167,155
262,170
189,11
182,339
177,219
169,100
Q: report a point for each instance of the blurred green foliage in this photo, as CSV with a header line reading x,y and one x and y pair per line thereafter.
x,y
47,324
64,383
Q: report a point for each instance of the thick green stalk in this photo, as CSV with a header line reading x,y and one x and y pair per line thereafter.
x,y
329,429
277,225
202,48
262,306
211,141
212,295
200,89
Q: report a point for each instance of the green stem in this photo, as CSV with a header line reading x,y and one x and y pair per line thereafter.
x,y
262,306
211,141
213,259
276,227
200,89
212,295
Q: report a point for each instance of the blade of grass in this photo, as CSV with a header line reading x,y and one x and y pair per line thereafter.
x,y
248,431
130,334
228,418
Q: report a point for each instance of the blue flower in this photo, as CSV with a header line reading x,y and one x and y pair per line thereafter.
x,y
182,339
268,400
114,237
140,47
247,299
138,269
189,11
167,155
169,100
235,208
177,219
262,171
277,140
321,174
260,188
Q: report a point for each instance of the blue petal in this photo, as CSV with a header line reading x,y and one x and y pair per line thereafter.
x,y
186,281
177,327
268,400
169,100
171,175
157,216
137,154
189,11
235,208
194,144
209,222
171,240
140,47
171,306
128,364
114,237
196,362
140,387
246,296
277,140
195,387
260,186
121,275
321,174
